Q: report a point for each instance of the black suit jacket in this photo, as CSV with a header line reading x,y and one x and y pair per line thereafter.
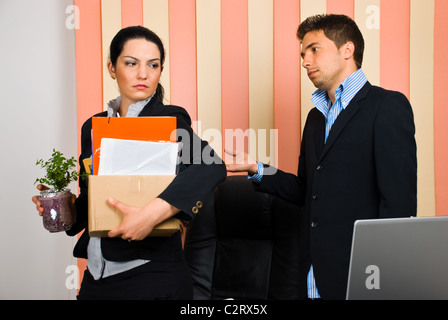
x,y
367,169
192,184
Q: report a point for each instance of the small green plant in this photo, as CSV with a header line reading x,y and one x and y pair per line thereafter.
x,y
60,171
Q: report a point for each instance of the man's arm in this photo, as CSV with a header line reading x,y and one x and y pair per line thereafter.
x,y
395,157
269,179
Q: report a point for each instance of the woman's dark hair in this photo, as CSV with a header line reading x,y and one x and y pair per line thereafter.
x,y
136,32
338,28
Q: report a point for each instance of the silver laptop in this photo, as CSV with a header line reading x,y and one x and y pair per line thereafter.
x,y
403,259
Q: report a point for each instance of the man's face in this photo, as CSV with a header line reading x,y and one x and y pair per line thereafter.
x,y
323,61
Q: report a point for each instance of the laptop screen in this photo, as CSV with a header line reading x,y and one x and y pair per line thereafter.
x,y
403,258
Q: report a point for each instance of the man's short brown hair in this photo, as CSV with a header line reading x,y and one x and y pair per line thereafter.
x,y
338,28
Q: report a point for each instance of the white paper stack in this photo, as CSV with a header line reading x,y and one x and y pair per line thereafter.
x,y
131,157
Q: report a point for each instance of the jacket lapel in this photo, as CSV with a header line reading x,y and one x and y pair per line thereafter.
x,y
344,118
151,109
319,135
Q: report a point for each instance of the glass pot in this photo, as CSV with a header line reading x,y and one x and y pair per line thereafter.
x,y
59,210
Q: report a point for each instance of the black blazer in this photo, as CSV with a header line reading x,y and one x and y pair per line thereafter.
x,y
367,169
192,184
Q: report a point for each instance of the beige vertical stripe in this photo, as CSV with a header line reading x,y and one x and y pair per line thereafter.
x,y
110,25
422,100
367,17
261,79
155,18
308,8
208,15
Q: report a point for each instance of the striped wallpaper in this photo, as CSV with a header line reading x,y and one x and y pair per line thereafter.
x,y
235,64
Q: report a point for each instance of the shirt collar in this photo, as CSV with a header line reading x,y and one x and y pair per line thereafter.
x,y
134,109
346,91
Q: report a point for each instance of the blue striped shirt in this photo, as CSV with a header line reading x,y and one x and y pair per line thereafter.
x,y
257,177
343,95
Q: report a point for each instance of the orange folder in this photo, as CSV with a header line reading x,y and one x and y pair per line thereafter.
x,y
138,128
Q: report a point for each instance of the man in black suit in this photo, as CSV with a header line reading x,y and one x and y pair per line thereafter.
x,y
357,157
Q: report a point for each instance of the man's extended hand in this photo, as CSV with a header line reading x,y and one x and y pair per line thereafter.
x,y
240,162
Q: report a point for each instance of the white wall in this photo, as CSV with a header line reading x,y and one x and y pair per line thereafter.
x,y
38,113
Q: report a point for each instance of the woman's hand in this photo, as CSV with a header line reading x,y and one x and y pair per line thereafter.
x,y
138,223
36,201
240,162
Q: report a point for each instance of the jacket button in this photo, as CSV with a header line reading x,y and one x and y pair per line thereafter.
x,y
315,197
195,210
313,224
199,204
320,168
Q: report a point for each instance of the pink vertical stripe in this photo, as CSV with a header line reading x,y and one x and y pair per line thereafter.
x,y
440,108
88,70
346,7
88,61
395,46
182,23
131,13
287,67
235,67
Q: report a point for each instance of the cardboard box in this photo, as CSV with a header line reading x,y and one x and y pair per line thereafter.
x,y
136,191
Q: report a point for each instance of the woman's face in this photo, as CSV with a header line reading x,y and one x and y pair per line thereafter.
x,y
137,71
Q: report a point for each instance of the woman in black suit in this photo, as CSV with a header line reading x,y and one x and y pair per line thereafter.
x,y
128,264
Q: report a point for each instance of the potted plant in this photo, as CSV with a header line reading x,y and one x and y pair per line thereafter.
x,y
59,212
